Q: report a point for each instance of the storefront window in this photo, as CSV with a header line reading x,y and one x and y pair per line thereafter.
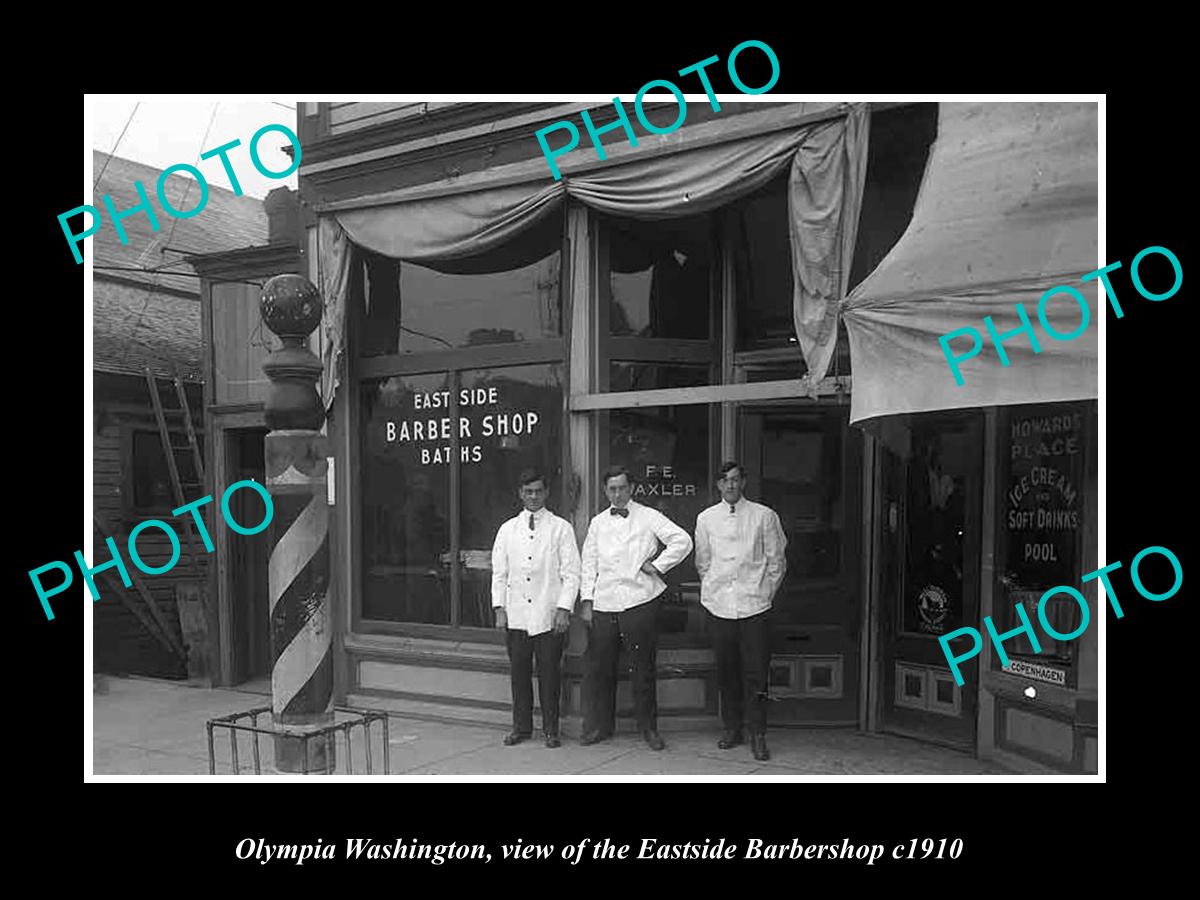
x,y
514,422
405,501
508,419
763,269
793,461
667,450
943,458
1043,477
509,295
657,277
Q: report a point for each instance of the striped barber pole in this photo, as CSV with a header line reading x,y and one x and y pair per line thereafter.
x,y
301,628
301,646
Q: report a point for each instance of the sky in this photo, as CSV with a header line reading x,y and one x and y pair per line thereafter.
x,y
165,132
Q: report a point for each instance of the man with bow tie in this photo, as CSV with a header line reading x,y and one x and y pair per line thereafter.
x,y
740,548
535,579
622,581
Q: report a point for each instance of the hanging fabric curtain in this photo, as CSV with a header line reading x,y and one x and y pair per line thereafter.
x,y
690,182
454,226
333,273
825,192
826,159
1006,211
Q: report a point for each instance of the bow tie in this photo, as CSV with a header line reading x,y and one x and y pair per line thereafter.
x,y
623,513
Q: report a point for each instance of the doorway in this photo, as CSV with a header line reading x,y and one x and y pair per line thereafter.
x,y
804,461
928,541
249,557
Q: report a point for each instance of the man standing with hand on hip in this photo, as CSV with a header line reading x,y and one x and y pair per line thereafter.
x,y
740,548
535,579
621,586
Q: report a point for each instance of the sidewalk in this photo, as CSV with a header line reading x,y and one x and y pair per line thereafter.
x,y
149,727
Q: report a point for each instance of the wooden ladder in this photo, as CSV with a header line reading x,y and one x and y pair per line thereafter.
x,y
170,449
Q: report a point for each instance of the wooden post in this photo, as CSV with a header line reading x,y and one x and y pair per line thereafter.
x,y
296,469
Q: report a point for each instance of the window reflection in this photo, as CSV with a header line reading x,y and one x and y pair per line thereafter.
x,y
405,502
508,295
794,465
658,277
763,268
517,395
942,457
667,450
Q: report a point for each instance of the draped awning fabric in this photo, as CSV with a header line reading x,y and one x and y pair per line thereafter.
x,y
1007,210
825,160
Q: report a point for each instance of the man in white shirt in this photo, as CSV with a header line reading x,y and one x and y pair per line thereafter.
x,y
740,549
622,581
535,579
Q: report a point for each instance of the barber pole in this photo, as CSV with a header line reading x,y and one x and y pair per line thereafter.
x,y
296,470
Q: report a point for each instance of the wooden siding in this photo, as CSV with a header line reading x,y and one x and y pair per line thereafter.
x,y
121,643
413,150
347,117
239,345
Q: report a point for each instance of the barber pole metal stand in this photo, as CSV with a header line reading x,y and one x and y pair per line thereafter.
x,y
296,451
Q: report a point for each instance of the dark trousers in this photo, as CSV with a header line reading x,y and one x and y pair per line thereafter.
x,y
522,648
637,629
743,650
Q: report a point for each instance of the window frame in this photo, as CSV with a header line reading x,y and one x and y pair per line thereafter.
x,y
452,362
130,510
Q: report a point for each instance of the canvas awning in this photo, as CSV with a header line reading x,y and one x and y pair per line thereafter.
x,y
821,146
1006,211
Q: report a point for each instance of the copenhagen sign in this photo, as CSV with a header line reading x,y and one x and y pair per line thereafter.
x,y
1027,628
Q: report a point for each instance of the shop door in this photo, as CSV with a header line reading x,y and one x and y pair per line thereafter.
x,y
249,556
929,542
804,462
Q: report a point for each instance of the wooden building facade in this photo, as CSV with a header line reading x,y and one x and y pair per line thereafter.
x,y
146,336
483,317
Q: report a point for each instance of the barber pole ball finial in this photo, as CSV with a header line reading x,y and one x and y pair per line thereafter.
x,y
291,307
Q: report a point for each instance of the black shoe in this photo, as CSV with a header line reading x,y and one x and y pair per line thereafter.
x,y
652,739
552,741
593,737
758,746
730,739
515,737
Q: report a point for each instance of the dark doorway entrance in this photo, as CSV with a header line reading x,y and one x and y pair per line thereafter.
x,y
249,556
929,542
804,462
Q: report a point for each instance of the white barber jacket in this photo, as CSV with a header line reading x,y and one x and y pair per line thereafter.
x,y
534,571
615,549
740,558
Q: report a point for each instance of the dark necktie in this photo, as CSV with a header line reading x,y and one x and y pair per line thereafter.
x,y
531,521
732,509
623,513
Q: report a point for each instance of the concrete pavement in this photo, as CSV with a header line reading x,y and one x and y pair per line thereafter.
x,y
151,727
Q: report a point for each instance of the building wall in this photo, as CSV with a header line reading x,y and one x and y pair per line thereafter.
x,y
122,644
